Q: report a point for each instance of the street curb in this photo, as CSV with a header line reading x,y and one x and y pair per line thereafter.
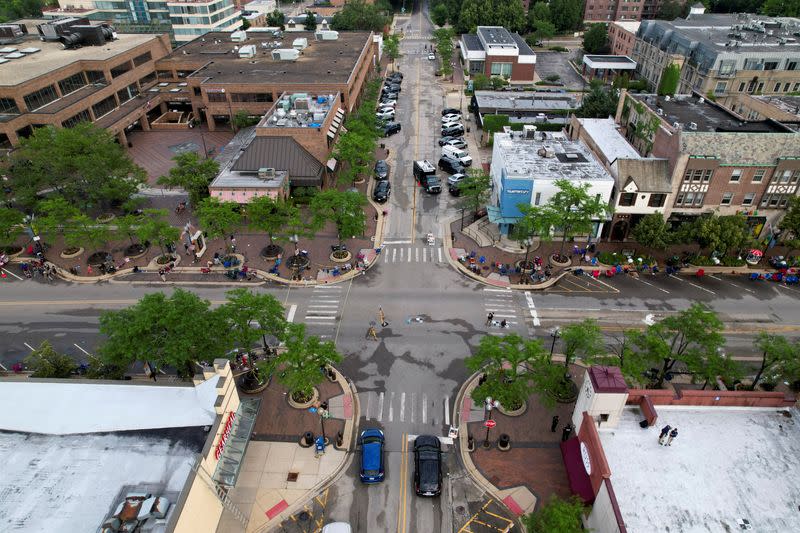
x,y
348,387
466,460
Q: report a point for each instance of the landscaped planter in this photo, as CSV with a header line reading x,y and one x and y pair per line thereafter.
x,y
105,218
250,384
568,394
167,259
341,256
560,260
69,253
525,268
12,251
135,251
271,252
99,258
514,412
303,405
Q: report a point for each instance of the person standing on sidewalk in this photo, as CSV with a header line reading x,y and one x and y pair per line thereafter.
x,y
554,424
382,317
372,334
672,435
663,434
489,318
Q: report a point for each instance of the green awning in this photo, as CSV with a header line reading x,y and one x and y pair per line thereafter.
x,y
496,217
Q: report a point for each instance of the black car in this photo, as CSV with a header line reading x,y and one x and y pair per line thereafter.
x,y
382,191
451,165
390,96
453,131
391,128
394,87
381,170
396,74
393,79
444,140
427,466
450,111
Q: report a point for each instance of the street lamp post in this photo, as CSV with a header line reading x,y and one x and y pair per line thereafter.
x,y
489,404
556,334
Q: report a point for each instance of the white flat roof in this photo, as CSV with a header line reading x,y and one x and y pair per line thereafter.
x,y
608,139
725,465
70,483
612,62
69,407
628,25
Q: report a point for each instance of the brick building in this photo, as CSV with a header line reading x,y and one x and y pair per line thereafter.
x,y
42,83
495,51
784,109
621,36
608,10
718,161
223,77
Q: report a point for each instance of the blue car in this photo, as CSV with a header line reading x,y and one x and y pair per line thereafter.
x,y
371,441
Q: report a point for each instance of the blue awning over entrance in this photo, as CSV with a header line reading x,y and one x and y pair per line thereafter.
x,y
496,217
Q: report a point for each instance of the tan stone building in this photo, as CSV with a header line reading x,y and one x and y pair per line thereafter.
x,y
784,109
718,161
41,83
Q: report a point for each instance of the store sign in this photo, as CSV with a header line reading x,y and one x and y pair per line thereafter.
x,y
517,191
225,434
587,461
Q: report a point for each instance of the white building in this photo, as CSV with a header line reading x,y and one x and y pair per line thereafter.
x,y
526,165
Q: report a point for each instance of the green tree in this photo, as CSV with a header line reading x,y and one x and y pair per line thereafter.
x,y
243,119
302,363
572,210
439,15
54,216
344,209
514,368
193,174
128,225
274,217
84,165
525,229
620,353
245,24
310,23
85,231
45,362
559,515
218,219
443,39
176,331
779,356
391,47
542,31
475,190
782,8
598,103
18,9
358,15
686,337
567,15
582,339
510,14
672,9
11,222
670,78
538,13
156,228
790,223
470,16
717,233
595,40
621,81
276,19
707,369
653,231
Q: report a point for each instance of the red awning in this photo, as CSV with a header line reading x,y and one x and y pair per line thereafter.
x,y
579,482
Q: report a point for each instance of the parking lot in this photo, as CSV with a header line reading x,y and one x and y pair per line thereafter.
x,y
549,63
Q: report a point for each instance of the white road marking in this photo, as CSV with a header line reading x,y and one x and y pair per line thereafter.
x,y
732,283
447,410
407,241
425,255
416,255
443,440
315,318
532,308
440,255
292,311
403,407
380,407
692,284
648,283
31,348
9,272
409,255
81,349
508,291
391,407
394,254
369,404
324,288
322,306
424,408
413,405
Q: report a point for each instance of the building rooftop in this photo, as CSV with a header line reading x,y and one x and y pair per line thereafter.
x,y
472,42
282,154
495,35
605,134
694,113
215,58
299,110
52,56
524,101
628,25
548,156
725,32
789,104
724,467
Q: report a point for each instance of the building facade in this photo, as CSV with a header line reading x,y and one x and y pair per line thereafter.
x,y
609,10
48,85
722,53
621,36
494,51
183,19
718,161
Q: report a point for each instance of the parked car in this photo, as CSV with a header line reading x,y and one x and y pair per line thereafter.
x,y
455,178
390,95
453,130
432,56
381,169
455,190
393,87
456,142
372,442
391,78
456,153
450,111
382,191
386,109
451,117
337,527
445,140
425,174
396,74
427,466
387,103
391,128
385,115
451,165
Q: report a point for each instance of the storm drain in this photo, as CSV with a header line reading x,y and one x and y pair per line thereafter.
x,y
292,476
744,524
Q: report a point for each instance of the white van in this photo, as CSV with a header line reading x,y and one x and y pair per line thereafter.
x,y
456,153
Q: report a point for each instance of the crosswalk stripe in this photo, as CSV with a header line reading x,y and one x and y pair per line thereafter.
x,y
447,410
369,404
416,255
402,407
391,407
425,255
394,253
440,255
424,408
409,254
380,407
315,306
413,405
508,291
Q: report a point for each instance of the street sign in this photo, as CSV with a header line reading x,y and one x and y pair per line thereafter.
x,y
490,424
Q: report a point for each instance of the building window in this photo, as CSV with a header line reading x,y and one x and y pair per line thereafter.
x,y
8,107
147,80
251,97
771,65
141,59
736,175
73,121
95,76
749,198
786,176
104,107
721,87
759,175
727,198
128,93
791,65
775,200
627,199
72,83
40,98
164,75
217,97
741,87
657,200
537,199
120,69
796,87
501,69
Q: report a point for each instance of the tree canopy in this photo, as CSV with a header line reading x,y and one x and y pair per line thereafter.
x,y
780,357
218,219
791,219
582,339
10,225
557,514
653,231
474,189
83,164
20,9
45,362
670,78
193,174
250,317
310,23
599,102
358,15
439,14
156,228
344,209
595,40
715,233
274,217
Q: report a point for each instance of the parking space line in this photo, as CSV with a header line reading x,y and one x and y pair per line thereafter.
x,y
751,291
648,283
9,272
292,311
31,348
787,288
81,349
693,284
601,282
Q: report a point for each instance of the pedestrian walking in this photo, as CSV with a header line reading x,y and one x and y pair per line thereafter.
x,y
554,424
372,334
382,317
233,244
162,274
186,247
663,435
503,323
489,318
672,435
566,432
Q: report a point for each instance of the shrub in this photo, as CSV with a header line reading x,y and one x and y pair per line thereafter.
x,y
558,49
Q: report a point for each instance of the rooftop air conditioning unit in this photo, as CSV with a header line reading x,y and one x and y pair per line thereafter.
x,y
239,36
530,131
660,112
676,125
285,54
301,43
248,51
326,35
693,126
266,173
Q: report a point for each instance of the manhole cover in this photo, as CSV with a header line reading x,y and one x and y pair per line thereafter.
x,y
304,516
460,509
292,476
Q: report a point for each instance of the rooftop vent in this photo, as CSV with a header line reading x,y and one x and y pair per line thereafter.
x,y
266,173
285,54
239,36
660,112
326,35
301,43
693,126
248,51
